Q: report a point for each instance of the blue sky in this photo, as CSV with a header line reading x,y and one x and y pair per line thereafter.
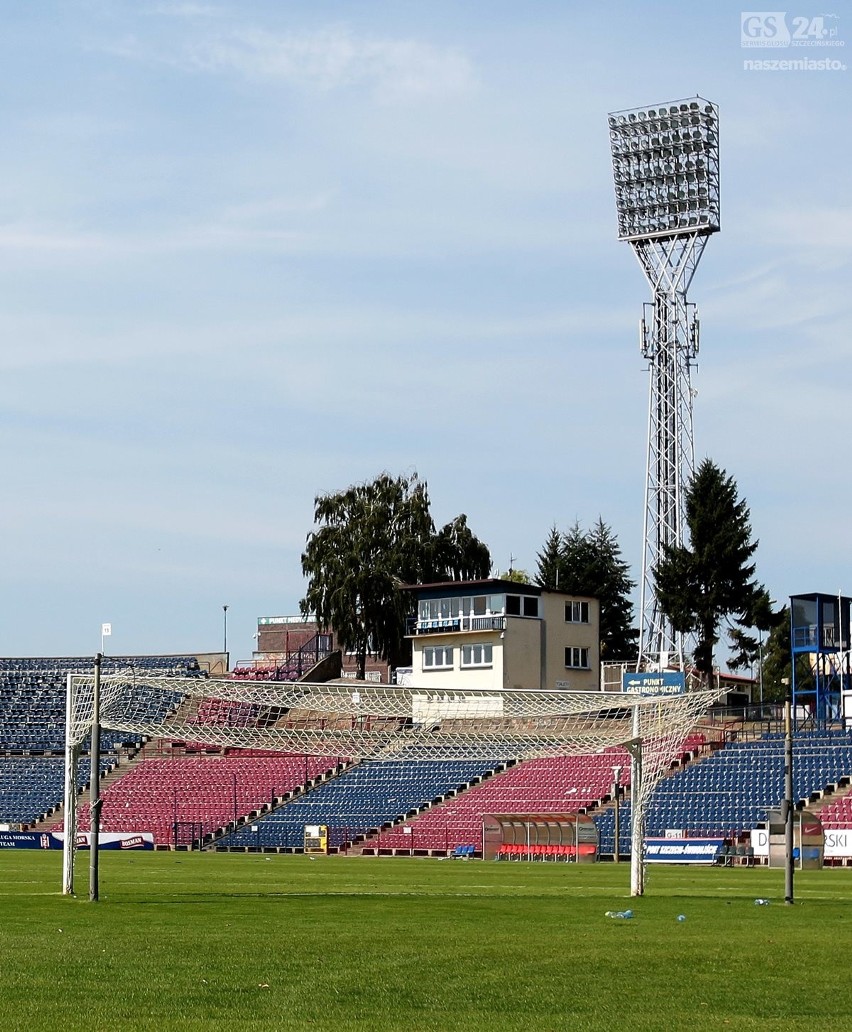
x,y
253,251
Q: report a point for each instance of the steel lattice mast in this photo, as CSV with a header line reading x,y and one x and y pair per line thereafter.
x,y
665,163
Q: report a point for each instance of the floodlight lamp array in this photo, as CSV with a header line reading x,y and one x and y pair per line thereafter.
x,y
665,163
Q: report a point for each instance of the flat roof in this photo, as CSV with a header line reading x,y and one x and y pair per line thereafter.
x,y
490,584
468,585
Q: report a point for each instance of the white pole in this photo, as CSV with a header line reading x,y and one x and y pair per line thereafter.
x,y
637,812
70,796
95,783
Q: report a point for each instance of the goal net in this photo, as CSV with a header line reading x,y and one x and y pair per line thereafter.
x,y
357,720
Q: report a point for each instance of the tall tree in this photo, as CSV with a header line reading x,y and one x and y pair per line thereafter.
x,y
590,563
458,554
549,560
577,561
713,578
610,576
370,540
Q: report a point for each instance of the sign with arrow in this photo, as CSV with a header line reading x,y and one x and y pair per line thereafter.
x,y
666,682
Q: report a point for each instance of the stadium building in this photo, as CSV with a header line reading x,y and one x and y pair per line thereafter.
x,y
498,634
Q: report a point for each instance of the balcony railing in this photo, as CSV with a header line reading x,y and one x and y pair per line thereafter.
x,y
459,623
484,623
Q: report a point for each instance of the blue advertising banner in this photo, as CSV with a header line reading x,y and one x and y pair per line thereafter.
x,y
49,840
28,840
667,682
682,851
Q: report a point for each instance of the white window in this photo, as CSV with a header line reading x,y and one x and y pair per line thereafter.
x,y
442,611
576,612
437,657
577,659
476,655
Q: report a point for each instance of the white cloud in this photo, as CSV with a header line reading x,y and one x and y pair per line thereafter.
x,y
819,229
335,57
772,300
29,238
322,60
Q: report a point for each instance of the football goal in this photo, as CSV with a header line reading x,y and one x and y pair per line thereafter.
x,y
356,721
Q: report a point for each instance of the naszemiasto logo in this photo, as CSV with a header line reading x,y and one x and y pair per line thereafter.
x,y
782,29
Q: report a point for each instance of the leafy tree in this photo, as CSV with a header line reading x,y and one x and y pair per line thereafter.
x,y
590,563
745,645
713,578
458,554
778,662
370,540
516,576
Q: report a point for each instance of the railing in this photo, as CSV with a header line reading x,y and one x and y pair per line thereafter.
x,y
310,653
484,623
462,623
294,664
437,626
187,834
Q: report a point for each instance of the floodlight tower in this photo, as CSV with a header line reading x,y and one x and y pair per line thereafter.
x,y
665,163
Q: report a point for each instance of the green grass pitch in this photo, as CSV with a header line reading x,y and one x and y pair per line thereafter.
x,y
189,941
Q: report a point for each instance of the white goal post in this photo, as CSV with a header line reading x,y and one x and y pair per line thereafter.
x,y
357,720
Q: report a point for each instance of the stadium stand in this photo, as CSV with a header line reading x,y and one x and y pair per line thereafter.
x,y
731,791
30,787
365,797
32,696
182,799
187,797
556,785
32,727
837,813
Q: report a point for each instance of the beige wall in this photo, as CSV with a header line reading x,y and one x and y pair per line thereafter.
x,y
560,635
522,657
476,678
